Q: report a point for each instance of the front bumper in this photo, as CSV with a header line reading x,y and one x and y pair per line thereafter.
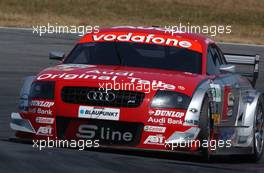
x,y
27,128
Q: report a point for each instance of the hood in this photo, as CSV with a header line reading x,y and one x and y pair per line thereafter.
x,y
162,79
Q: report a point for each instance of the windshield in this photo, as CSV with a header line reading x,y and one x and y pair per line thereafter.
x,y
136,55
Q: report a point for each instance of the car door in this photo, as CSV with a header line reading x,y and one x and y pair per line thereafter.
x,y
226,106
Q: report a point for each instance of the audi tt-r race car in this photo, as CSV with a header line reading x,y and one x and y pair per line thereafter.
x,y
145,88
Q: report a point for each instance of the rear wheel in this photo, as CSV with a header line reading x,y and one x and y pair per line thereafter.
x,y
258,132
205,124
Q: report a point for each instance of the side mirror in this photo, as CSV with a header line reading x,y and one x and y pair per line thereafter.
x,y
56,56
227,68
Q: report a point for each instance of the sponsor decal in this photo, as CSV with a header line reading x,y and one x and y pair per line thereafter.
x,y
38,103
116,73
90,74
216,118
40,111
141,38
231,99
155,140
44,120
105,133
165,121
45,131
228,103
190,122
106,76
216,92
157,129
166,117
165,113
98,113
145,38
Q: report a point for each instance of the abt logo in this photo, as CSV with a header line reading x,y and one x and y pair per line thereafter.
x,y
103,133
155,140
45,131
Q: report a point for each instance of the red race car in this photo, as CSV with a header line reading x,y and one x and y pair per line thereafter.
x,y
144,88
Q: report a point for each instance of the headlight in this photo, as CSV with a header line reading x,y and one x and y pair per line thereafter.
x,y
42,90
170,99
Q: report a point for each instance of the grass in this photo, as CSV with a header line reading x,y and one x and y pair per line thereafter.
x,y
246,17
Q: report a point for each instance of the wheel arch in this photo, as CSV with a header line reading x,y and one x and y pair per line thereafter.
x,y
250,102
193,112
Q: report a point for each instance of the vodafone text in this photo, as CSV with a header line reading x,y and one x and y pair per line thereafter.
x,y
141,38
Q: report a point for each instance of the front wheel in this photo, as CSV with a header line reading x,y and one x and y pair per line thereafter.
x,y
205,124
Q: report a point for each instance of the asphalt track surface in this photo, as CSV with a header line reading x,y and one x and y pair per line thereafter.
x,y
23,54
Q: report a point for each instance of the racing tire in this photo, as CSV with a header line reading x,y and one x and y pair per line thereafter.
x,y
258,132
205,125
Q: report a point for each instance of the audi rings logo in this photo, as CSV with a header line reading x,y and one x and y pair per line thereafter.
x,y
101,96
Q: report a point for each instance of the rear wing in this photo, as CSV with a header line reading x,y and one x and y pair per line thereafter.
x,y
249,60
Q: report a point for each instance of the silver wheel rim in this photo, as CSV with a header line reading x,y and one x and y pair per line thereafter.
x,y
259,131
